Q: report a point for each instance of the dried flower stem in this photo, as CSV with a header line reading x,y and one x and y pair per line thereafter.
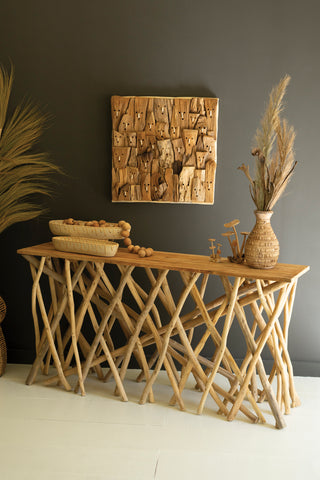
x,y
273,152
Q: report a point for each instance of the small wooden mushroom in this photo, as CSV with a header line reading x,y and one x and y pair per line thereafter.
x,y
215,257
212,247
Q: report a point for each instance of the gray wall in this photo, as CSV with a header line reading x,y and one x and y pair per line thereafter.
x,y
72,55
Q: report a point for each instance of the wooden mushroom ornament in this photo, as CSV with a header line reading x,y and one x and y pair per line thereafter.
x,y
237,252
215,256
212,248
233,225
228,235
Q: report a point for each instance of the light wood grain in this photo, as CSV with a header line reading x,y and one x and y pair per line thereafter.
x,y
282,272
267,293
166,130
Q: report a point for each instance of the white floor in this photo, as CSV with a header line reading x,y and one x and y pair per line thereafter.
x,y
47,433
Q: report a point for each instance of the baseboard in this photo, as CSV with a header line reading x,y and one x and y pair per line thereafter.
x,y
21,356
300,368
306,369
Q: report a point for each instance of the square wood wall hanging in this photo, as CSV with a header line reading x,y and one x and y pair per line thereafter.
x,y
164,149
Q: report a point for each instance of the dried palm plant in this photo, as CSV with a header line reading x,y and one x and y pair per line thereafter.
x,y
23,173
273,152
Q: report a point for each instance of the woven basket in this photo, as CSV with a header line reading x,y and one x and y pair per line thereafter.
x,y
3,347
3,353
262,246
88,246
3,309
110,232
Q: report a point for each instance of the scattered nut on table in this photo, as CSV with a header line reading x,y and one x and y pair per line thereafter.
x,y
127,241
141,251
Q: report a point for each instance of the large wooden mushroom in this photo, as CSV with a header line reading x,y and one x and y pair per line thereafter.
x,y
228,235
233,225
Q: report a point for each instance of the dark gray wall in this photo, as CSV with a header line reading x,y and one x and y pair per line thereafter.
x,y
72,55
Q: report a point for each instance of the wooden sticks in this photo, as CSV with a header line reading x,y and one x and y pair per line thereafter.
x,y
64,344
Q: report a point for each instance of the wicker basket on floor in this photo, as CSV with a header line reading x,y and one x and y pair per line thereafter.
x,y
3,347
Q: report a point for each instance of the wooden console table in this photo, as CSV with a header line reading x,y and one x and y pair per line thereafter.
x,y
84,295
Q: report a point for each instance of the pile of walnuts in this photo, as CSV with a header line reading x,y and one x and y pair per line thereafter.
x,y
125,233
141,251
91,223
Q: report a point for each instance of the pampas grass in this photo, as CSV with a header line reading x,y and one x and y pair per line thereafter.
x,y
273,152
24,173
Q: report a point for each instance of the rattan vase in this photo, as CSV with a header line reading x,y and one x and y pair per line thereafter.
x,y
262,246
3,347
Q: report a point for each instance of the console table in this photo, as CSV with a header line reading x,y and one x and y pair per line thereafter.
x,y
87,293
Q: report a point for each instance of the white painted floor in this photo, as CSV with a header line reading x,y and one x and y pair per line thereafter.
x,y
47,433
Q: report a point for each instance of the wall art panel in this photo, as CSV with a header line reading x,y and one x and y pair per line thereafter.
x,y
164,150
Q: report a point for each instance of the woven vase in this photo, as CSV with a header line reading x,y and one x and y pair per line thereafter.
x,y
262,246
3,347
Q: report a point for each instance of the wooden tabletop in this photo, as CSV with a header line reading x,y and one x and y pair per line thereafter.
x,y
176,261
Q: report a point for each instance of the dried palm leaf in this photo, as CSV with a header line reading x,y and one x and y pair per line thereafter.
x,y
23,172
6,80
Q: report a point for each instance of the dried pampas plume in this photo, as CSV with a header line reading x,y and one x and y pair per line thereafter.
x,y
23,172
273,152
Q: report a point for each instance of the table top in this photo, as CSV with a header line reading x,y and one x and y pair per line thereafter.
x,y
176,261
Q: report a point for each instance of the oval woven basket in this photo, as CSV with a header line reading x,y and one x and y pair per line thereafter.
x,y
88,246
110,232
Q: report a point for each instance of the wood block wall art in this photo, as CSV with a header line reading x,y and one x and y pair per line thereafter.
x,y
164,150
